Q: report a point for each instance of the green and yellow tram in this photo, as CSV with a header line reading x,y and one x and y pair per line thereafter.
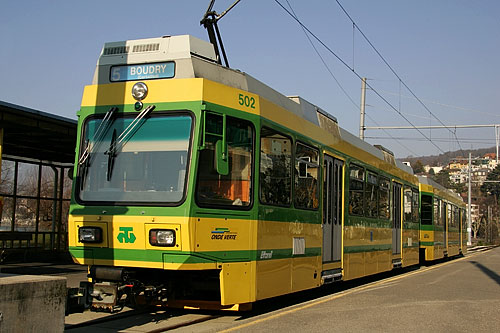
x,y
198,186
443,232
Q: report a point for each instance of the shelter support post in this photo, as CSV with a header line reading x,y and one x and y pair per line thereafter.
x,y
1,145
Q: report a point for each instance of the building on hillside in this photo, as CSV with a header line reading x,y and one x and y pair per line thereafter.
x,y
491,156
458,164
458,176
435,169
479,176
492,161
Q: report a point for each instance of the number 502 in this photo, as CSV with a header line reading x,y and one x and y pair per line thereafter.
x,y
247,101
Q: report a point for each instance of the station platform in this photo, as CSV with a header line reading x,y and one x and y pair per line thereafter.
x,y
455,295
72,272
458,295
32,303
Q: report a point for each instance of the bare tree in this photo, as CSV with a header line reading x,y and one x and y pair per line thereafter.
x,y
475,225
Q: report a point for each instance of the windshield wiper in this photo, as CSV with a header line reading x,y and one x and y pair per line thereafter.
x,y
91,145
83,167
98,135
131,128
111,152
117,143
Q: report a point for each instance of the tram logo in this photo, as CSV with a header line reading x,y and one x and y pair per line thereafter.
x,y
223,233
126,235
266,254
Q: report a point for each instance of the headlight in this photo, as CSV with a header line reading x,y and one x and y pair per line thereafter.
x,y
139,91
90,235
160,237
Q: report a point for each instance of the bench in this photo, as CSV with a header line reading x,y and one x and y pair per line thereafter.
x,y
14,236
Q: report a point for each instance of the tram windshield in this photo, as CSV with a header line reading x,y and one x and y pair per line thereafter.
x,y
135,160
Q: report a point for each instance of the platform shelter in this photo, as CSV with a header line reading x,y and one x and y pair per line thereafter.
x,y
36,154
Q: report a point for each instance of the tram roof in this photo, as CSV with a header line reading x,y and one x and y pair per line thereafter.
x,y
429,181
195,58
37,135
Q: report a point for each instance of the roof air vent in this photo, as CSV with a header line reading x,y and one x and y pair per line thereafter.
x,y
388,155
146,47
116,50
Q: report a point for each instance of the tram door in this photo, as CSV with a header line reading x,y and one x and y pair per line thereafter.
x,y
332,209
396,218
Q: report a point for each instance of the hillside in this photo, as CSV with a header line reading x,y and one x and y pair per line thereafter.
x,y
444,159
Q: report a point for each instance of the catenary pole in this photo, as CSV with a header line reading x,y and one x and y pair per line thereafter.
x,y
362,110
469,222
497,137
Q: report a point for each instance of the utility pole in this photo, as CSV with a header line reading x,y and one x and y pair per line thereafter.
x,y
497,137
469,220
490,224
362,115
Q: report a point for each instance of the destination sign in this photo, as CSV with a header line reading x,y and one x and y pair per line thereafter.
x,y
161,70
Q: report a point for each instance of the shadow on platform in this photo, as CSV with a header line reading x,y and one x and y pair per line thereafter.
x,y
493,275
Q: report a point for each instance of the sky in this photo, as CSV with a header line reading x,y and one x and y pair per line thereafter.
x,y
445,51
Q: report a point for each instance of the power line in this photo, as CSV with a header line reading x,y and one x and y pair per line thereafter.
x,y
464,140
355,73
386,132
337,81
433,126
441,104
382,108
323,60
394,72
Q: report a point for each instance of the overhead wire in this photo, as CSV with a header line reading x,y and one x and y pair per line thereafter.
x,y
395,74
464,140
357,74
323,60
440,104
443,139
389,134
382,108
338,82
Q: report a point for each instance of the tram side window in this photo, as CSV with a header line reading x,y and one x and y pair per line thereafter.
x,y
414,204
407,204
464,219
455,218
384,198
443,213
450,215
371,194
426,213
356,187
233,189
437,211
275,168
306,177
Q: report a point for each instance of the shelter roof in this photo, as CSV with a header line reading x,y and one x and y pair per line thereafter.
x,y
38,135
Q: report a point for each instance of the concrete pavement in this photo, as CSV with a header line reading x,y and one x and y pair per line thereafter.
x,y
456,296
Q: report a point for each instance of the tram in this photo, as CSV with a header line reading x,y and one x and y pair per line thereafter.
x,y
198,186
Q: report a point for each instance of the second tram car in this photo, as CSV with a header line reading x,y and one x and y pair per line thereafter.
x,y
443,231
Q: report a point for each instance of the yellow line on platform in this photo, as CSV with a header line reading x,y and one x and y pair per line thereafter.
x,y
345,293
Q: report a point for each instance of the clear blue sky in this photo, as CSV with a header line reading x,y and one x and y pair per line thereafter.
x,y
446,51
